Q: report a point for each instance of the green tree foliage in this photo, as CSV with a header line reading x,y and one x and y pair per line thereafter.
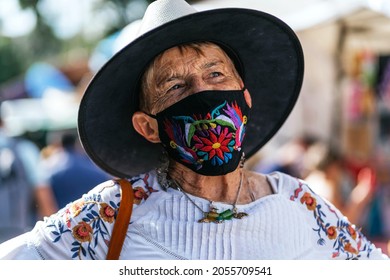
x,y
10,61
16,54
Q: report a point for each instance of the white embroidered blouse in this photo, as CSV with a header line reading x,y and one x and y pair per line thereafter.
x,y
292,223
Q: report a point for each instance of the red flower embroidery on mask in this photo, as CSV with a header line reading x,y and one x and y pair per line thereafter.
x,y
217,147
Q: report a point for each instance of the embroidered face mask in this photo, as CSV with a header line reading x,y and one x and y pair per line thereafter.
x,y
205,131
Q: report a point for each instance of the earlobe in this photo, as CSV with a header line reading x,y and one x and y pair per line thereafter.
x,y
146,126
248,98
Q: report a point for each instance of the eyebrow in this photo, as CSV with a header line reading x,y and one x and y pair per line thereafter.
x,y
168,77
212,64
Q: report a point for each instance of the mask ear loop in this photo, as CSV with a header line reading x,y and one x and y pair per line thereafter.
x,y
150,115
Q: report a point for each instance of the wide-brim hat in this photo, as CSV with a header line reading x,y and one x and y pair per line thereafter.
x,y
267,50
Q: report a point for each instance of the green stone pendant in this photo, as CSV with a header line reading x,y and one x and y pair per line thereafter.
x,y
215,217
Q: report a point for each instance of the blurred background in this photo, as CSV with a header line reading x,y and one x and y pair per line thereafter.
x,y
337,137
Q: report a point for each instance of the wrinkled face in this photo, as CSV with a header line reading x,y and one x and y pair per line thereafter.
x,y
185,70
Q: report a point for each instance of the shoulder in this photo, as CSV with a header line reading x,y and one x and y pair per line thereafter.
x,y
335,237
82,229
280,183
144,186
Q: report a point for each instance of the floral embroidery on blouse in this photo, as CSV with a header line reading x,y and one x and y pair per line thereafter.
x,y
87,219
142,192
346,239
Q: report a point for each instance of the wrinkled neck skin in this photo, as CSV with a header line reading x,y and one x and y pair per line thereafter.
x,y
220,188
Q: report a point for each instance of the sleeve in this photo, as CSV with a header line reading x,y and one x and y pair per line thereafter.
x,y
334,235
81,230
19,248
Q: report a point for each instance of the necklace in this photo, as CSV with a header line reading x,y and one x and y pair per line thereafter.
x,y
212,215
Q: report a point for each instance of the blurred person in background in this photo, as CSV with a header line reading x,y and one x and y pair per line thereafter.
x,y
67,171
329,177
289,158
19,159
376,219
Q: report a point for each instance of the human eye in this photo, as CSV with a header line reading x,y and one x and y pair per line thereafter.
x,y
215,74
175,87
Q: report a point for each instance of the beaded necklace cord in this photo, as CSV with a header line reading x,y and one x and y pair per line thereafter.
x,y
212,215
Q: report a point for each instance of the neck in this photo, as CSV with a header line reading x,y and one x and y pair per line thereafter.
x,y
214,188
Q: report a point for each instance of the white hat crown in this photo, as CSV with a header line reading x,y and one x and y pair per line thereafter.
x,y
163,11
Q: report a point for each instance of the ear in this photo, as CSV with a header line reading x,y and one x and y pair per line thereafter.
x,y
146,126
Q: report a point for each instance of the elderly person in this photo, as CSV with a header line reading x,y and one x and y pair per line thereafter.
x,y
176,112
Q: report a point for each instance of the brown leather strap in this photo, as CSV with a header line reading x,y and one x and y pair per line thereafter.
x,y
122,220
